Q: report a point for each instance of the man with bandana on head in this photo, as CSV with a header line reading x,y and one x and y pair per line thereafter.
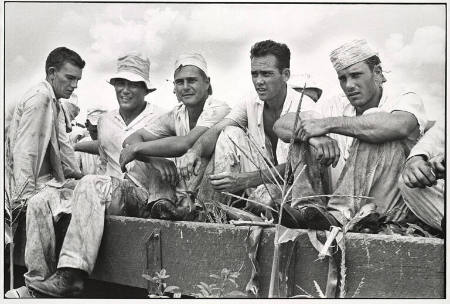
x,y
172,134
372,129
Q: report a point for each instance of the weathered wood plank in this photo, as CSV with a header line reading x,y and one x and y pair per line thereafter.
x,y
377,266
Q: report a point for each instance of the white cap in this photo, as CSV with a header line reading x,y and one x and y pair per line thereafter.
x,y
194,59
350,53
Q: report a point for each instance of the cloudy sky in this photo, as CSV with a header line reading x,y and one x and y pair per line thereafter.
x,y
410,40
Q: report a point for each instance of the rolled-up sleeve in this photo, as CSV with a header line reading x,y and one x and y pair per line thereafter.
x,y
163,126
412,103
432,142
239,114
213,112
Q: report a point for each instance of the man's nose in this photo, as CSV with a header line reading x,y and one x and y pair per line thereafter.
x,y
350,84
74,84
259,79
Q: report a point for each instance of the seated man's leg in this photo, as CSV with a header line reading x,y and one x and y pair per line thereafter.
x,y
82,240
309,176
426,203
229,157
43,209
371,170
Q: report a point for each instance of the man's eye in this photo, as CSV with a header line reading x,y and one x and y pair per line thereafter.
x,y
266,74
254,74
179,82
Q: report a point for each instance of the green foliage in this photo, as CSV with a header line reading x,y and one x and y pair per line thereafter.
x,y
161,286
222,288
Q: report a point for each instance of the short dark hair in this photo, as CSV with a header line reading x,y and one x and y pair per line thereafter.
x,y
270,47
373,61
61,55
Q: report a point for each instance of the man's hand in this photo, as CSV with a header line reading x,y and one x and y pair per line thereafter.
x,y
327,150
418,173
75,175
311,128
438,165
190,164
167,169
228,182
127,155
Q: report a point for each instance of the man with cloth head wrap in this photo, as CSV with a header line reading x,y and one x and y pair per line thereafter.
x,y
372,129
172,134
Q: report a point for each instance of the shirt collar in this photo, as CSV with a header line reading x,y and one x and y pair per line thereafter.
x,y
147,111
50,88
350,110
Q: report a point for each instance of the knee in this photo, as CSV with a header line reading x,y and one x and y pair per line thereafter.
x,y
38,202
233,132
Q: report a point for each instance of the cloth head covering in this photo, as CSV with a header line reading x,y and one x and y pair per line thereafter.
x,y
93,115
350,53
133,67
194,59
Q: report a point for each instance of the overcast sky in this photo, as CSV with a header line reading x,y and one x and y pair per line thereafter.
x,y
410,40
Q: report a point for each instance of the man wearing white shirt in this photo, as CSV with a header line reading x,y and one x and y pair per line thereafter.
x,y
422,182
235,170
112,193
371,129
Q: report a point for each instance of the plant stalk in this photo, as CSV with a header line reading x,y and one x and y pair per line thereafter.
x,y
276,249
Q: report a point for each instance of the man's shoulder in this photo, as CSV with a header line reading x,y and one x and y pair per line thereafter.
x,y
39,92
214,102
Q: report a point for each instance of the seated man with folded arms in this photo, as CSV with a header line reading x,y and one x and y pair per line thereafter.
x,y
371,128
112,193
172,134
240,162
423,178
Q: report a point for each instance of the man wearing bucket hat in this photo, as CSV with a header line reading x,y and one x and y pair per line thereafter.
x,y
172,134
237,158
111,193
374,129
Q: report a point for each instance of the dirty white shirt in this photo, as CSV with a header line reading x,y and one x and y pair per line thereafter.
x,y
37,125
339,106
112,131
250,114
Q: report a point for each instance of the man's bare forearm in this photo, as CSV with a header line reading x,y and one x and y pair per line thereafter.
x,y
256,178
90,147
373,128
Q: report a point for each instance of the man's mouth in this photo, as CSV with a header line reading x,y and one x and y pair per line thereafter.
x,y
187,95
354,94
261,90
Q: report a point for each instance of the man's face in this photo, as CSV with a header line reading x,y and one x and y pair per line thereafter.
x,y
189,86
130,94
64,81
359,85
266,77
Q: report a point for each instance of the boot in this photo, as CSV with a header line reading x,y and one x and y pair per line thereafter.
x,y
310,216
64,283
22,293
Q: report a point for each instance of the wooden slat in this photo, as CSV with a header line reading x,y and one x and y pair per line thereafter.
x,y
377,266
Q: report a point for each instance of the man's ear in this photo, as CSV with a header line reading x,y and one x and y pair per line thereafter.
x,y
51,72
286,73
378,72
